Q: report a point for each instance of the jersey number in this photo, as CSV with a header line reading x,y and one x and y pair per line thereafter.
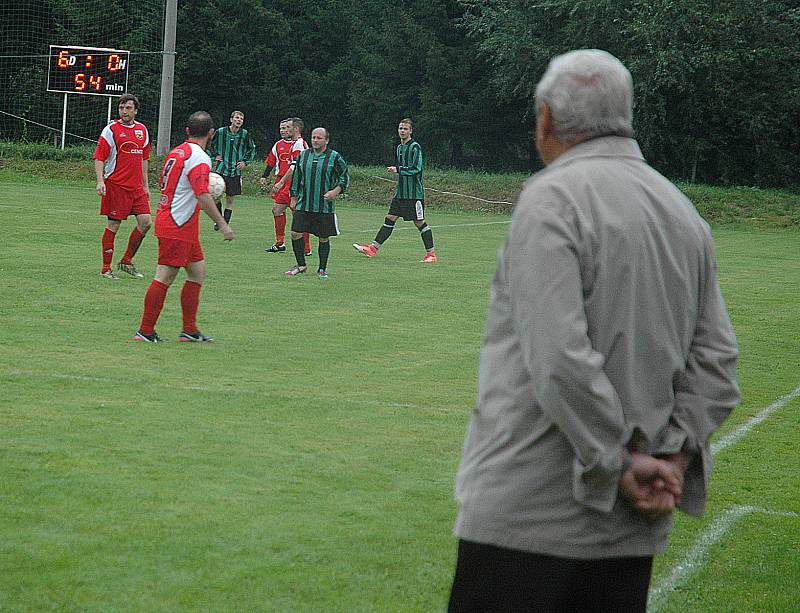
x,y
165,175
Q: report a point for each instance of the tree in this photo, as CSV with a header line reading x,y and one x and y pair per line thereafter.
x,y
715,83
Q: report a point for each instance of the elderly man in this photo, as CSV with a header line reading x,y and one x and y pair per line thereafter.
x,y
608,362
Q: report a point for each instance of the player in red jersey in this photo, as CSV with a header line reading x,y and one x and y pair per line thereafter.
x,y
120,163
184,191
282,157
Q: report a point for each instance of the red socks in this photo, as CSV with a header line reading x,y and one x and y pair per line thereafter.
x,y
108,248
153,303
280,228
133,246
190,301
280,232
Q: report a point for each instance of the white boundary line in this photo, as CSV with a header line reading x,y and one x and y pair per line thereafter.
x,y
722,524
191,388
439,191
697,554
732,437
454,225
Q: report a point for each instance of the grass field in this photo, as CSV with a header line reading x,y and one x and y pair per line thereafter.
x,y
304,461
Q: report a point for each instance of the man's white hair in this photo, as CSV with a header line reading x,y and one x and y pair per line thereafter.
x,y
589,93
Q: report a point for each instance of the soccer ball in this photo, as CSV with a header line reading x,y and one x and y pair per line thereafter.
x,y
216,185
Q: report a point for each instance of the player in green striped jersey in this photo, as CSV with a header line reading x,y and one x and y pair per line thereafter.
x,y
320,175
232,148
409,197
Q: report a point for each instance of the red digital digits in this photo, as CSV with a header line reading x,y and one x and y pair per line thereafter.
x,y
113,62
63,60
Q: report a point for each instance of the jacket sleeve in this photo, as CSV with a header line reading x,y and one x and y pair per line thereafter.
x,y
567,373
706,392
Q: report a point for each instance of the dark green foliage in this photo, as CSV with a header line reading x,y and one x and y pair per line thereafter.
x,y
717,83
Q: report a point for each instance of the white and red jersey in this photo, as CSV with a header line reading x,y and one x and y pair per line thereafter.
x,y
183,179
123,149
284,154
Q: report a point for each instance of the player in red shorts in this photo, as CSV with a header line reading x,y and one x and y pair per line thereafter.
x,y
184,191
282,157
120,163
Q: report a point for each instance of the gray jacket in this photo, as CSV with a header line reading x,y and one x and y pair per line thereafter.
x,y
606,328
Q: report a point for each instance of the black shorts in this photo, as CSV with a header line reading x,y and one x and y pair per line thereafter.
x,y
409,210
322,225
233,185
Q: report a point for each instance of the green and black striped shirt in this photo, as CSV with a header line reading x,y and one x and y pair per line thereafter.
x,y
234,147
409,172
314,174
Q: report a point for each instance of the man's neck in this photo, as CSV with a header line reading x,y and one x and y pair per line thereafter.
x,y
233,129
321,151
406,141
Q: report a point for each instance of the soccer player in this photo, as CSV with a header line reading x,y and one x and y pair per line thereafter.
x,y
282,158
320,175
409,197
232,148
184,191
120,163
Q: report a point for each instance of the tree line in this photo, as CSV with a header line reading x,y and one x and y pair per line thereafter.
x,y
717,84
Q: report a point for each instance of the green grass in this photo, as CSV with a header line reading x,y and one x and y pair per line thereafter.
x,y
304,461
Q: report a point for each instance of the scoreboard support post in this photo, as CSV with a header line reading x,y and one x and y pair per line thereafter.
x,y
64,121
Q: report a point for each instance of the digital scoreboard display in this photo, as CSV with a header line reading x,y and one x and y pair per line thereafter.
x,y
88,70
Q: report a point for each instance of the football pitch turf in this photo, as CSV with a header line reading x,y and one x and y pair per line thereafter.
x,y
304,461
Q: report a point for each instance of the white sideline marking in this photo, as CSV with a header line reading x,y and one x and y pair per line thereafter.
x,y
194,388
732,437
438,191
695,556
455,225
720,526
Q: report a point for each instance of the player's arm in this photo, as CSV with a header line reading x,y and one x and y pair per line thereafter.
x,y
99,165
208,205
250,154
198,179
100,156
415,163
287,178
344,179
265,176
145,168
212,146
296,182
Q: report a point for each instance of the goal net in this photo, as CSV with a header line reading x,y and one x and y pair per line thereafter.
x,y
28,111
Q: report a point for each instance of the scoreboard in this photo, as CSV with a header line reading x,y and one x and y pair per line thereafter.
x,y
87,70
